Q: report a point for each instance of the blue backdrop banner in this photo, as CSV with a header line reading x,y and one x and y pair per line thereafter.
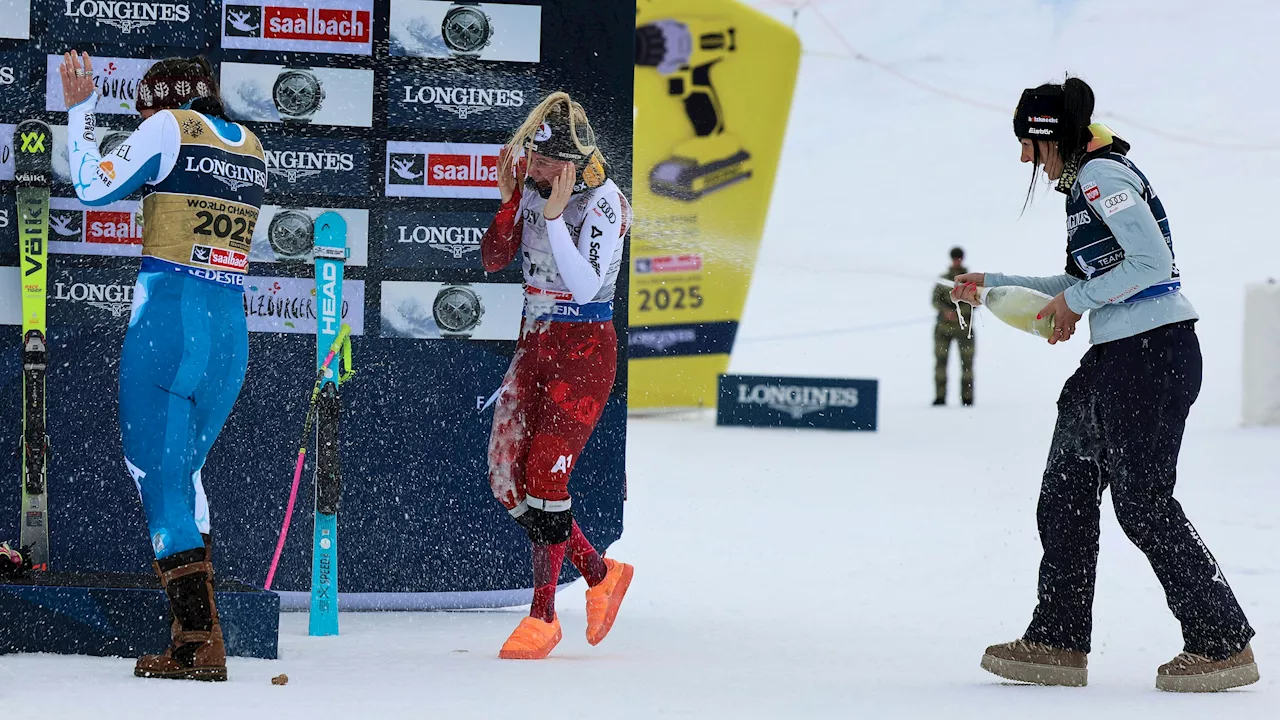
x,y
326,85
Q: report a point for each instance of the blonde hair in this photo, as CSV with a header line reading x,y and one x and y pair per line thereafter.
x,y
577,117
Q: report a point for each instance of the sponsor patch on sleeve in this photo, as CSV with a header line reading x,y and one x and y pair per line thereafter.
x,y
1091,192
1113,204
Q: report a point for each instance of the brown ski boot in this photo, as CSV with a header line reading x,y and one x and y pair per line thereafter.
x,y
1196,673
1037,663
197,651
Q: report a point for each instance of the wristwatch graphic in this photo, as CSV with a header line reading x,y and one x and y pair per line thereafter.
x,y
291,235
457,310
466,29
298,94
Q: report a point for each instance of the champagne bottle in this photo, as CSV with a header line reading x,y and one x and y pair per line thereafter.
x,y
1016,307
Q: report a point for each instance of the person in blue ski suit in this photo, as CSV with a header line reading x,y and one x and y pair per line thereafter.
x,y
187,347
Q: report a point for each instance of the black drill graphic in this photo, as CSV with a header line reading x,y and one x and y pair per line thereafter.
x,y
685,51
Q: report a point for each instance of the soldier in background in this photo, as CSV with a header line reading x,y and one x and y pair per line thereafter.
x,y
952,325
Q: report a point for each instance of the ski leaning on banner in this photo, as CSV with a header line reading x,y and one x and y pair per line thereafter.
x,y
33,147
330,254
187,345
568,221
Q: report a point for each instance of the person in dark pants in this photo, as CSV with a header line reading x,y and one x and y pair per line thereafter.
x,y
1122,414
952,327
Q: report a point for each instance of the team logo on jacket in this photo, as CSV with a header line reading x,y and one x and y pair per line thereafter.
x,y
233,175
1091,192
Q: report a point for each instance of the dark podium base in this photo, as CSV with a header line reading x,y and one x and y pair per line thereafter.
x,y
123,615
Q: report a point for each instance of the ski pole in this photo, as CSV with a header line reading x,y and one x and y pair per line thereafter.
x,y
341,343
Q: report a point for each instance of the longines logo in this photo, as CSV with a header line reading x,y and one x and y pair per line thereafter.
x,y
114,298
230,174
463,101
127,15
292,165
458,241
797,400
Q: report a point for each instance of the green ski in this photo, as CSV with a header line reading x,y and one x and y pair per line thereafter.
x,y
33,146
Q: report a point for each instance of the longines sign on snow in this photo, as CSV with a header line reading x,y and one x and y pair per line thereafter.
x,y
797,402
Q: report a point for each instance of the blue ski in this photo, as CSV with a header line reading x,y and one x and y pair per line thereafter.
x,y
330,254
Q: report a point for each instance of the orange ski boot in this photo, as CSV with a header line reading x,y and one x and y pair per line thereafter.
x,y
533,639
605,599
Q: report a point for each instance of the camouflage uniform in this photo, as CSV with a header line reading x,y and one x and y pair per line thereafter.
x,y
946,331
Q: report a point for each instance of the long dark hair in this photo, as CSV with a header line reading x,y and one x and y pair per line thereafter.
x,y
1073,133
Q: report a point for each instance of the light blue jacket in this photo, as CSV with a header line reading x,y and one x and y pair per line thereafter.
x,y
1148,260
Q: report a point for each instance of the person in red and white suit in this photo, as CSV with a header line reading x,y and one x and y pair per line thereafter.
x,y
568,221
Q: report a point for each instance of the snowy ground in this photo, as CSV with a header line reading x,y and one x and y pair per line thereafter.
x,y
814,574
778,575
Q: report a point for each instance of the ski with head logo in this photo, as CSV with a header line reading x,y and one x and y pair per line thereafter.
x,y
330,254
33,146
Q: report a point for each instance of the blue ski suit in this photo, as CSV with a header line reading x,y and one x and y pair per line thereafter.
x,y
187,345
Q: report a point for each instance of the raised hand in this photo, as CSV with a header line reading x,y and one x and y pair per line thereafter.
x,y
561,190
510,179
77,78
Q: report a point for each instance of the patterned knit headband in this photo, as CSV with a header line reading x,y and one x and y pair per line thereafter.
x,y
169,92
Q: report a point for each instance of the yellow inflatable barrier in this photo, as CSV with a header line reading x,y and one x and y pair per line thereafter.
x,y
713,87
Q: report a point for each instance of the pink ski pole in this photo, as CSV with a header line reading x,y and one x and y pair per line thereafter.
x,y
343,334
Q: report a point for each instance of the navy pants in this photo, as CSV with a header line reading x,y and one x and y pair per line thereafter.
x,y
1120,423
181,369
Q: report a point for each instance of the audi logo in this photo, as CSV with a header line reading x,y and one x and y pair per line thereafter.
x,y
1116,199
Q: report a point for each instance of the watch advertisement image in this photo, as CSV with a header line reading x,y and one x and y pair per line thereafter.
x,y
299,95
457,311
483,31
287,234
